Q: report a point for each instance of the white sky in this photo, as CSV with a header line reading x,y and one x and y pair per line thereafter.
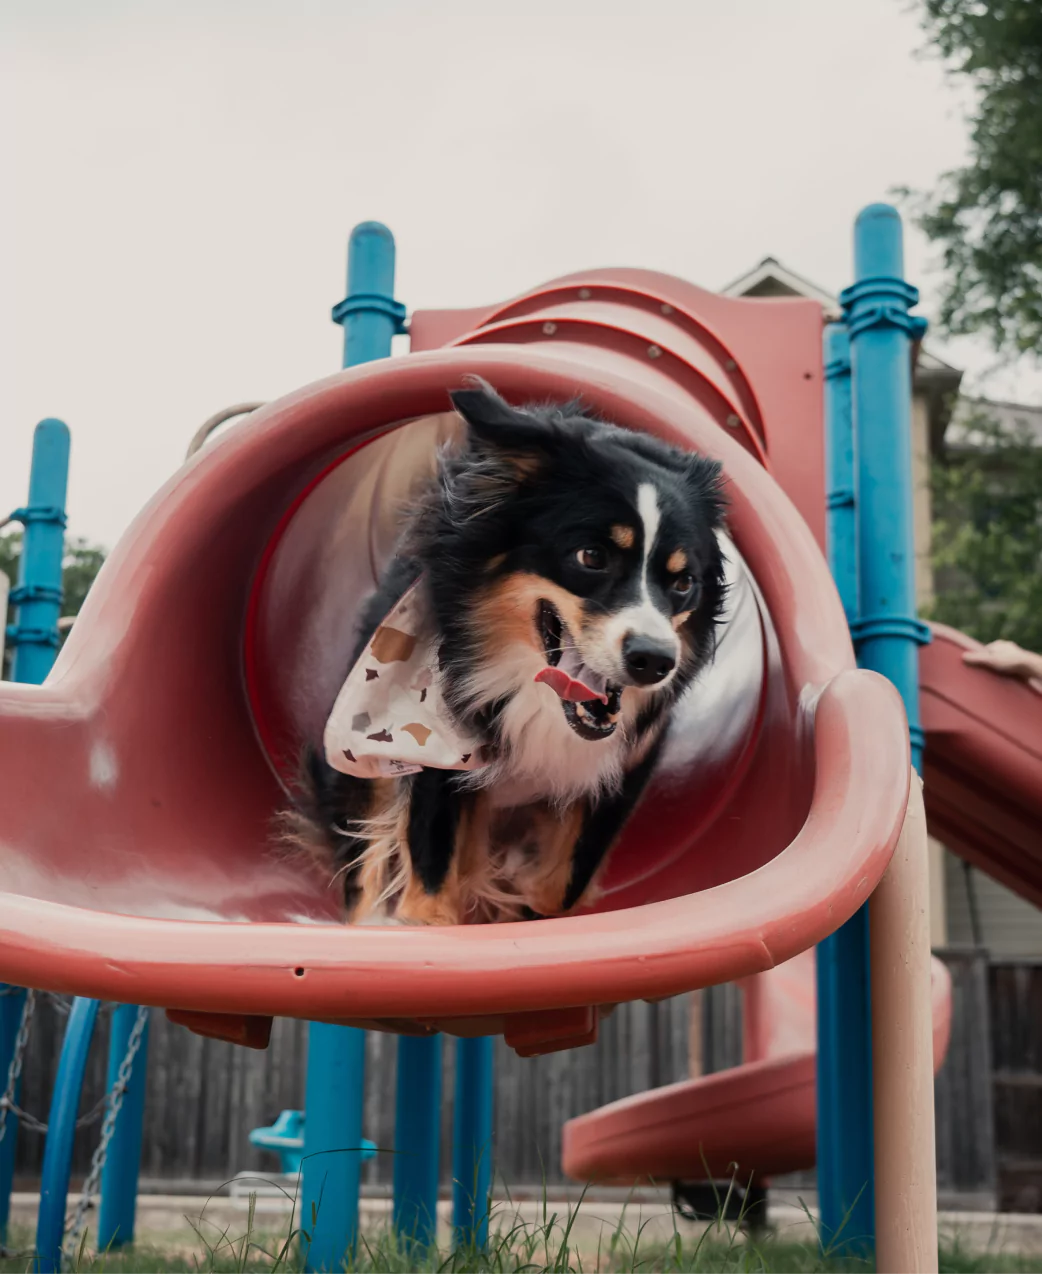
x,y
182,177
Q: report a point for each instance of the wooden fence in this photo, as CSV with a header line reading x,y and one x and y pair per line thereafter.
x,y
204,1096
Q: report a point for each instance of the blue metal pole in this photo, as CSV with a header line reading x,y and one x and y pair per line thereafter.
x,y
417,1137
119,1177
472,1141
38,595
34,642
332,1144
11,1005
887,633
57,1155
845,1145
336,1054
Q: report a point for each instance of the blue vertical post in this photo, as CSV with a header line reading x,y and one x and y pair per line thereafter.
x,y
38,595
34,641
417,1137
844,1057
886,636
119,1177
336,1054
61,1131
472,1141
887,633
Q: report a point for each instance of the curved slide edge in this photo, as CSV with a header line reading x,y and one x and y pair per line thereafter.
x,y
760,1116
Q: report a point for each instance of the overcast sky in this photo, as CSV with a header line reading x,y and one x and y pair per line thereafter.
x,y
180,179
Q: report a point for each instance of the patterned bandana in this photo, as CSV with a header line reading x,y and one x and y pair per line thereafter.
x,y
390,716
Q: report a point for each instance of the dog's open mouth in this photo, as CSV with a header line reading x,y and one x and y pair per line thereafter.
x,y
590,702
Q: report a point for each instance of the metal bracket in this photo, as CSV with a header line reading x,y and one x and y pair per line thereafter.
x,y
39,513
371,303
869,626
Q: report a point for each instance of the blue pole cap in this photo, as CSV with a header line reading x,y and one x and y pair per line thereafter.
x,y
370,260
878,243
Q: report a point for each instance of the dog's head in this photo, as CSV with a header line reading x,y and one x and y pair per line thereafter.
x,y
587,551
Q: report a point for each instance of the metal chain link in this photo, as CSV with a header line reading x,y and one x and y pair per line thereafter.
x,y
74,1227
30,1123
14,1070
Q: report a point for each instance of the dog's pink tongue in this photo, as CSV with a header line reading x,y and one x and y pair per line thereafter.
x,y
572,681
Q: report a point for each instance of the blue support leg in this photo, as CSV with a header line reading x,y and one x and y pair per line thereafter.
x,y
57,1155
12,1002
370,317
417,1137
472,1141
886,636
332,1144
33,639
119,1177
844,1057
38,594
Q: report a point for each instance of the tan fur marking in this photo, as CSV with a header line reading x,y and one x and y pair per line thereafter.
x,y
624,536
678,621
494,563
676,562
545,888
507,612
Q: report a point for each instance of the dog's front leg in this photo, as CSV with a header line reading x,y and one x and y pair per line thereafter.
x,y
432,894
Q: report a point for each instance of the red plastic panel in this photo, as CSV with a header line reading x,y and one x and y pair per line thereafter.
x,y
983,765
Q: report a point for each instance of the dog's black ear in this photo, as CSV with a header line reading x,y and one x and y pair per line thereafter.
x,y
705,480
494,424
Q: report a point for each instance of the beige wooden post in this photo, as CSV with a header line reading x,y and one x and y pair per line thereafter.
x,y
902,1055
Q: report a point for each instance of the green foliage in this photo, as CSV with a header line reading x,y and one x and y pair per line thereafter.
x,y
81,564
987,216
987,536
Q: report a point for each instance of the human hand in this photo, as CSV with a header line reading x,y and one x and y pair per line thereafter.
x,y
1009,660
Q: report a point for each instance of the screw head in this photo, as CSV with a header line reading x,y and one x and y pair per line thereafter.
x,y
733,421
654,351
666,309
584,294
731,365
549,329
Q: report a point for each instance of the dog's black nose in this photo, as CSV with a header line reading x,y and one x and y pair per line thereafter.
x,y
647,661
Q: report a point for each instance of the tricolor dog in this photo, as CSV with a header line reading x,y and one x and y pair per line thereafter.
x,y
554,594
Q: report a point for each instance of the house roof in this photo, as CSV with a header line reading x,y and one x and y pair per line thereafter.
x,y
935,379
1010,416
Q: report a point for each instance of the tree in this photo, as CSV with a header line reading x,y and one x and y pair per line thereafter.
x,y
987,534
987,216
81,563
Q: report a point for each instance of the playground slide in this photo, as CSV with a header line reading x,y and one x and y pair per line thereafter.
x,y
215,637
983,795
759,1116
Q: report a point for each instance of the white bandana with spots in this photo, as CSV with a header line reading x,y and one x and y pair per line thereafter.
x,y
390,716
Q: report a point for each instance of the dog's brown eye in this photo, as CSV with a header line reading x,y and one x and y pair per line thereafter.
x,y
594,559
683,583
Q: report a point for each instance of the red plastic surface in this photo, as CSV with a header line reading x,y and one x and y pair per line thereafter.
x,y
760,1115
983,765
140,780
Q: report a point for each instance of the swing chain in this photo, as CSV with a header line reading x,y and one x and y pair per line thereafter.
x,y
14,1070
115,1103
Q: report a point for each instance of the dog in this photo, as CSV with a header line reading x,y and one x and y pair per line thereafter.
x,y
563,579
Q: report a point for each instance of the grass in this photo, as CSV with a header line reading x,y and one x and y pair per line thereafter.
x,y
547,1244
